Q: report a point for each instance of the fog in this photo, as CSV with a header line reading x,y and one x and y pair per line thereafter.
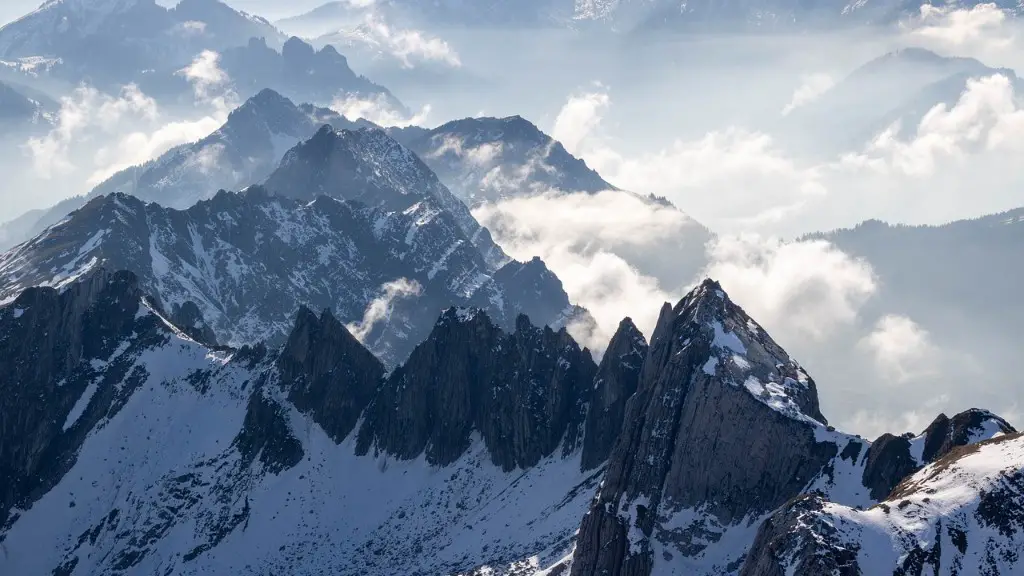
x,y
738,131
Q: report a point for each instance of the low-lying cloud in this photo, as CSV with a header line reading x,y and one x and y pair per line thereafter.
x,y
377,109
379,310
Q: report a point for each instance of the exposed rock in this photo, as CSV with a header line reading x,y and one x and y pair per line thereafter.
x,y
265,436
616,381
521,392
890,459
327,373
61,357
723,421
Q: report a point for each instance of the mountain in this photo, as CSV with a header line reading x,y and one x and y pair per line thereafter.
x,y
642,17
962,513
475,456
932,274
300,72
243,151
724,429
900,86
249,260
110,41
171,456
492,159
369,166
19,111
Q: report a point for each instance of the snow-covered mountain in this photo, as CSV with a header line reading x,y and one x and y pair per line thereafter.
x,y
112,41
724,429
249,260
640,16
243,151
369,166
479,455
172,457
492,159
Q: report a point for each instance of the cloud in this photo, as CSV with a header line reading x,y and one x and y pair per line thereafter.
x,y
813,86
980,28
799,290
380,308
609,254
409,46
84,114
579,119
97,135
986,118
901,349
731,179
377,109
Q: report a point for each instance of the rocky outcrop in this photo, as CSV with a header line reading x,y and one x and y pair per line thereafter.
x,y
522,392
959,516
60,358
616,381
722,421
890,458
327,373
266,437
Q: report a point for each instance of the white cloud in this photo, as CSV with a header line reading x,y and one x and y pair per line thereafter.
x,y
139,147
380,308
409,46
799,290
980,28
901,349
377,109
986,118
209,82
597,252
731,179
85,114
811,88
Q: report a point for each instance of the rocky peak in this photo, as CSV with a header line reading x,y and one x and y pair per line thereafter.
x,y
723,422
616,381
521,392
327,373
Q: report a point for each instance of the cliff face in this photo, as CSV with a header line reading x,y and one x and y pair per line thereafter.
x,y
65,359
615,383
723,422
327,373
523,393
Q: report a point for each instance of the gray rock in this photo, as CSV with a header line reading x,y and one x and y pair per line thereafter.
x,y
616,381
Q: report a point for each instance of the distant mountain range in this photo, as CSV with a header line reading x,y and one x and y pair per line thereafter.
x,y
487,451
633,16
900,86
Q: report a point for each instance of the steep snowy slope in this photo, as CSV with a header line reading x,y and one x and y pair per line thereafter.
x,y
960,515
249,260
158,455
